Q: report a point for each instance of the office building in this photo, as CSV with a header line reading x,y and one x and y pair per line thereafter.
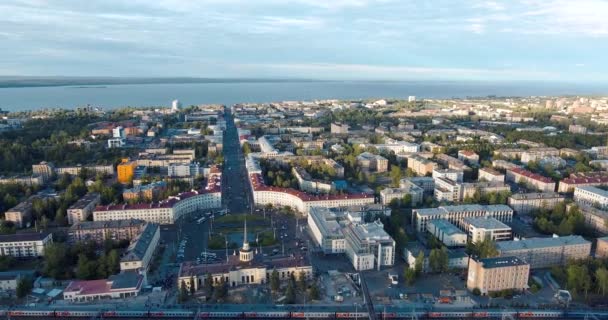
x,y
546,252
368,246
482,228
456,214
447,233
497,274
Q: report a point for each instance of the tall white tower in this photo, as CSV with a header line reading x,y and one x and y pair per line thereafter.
x,y
245,254
175,105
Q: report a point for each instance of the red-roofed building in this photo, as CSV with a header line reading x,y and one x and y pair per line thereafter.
x,y
120,286
530,179
568,184
166,211
299,200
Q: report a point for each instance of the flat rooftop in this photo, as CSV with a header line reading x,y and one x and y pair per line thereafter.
x,y
486,223
445,226
501,262
538,243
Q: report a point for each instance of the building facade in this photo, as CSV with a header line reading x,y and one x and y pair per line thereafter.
x,y
497,274
524,203
546,252
456,214
83,208
24,245
447,233
482,228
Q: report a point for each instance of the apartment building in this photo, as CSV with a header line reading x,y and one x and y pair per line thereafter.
x,y
307,184
24,245
422,166
546,252
142,248
24,180
426,183
468,156
497,274
339,128
456,214
570,183
100,231
591,196
504,165
524,203
126,171
192,170
535,154
389,194
144,192
76,170
83,208
482,228
455,175
512,153
447,190
447,233
44,169
595,218
601,247
451,162
490,175
372,162
531,180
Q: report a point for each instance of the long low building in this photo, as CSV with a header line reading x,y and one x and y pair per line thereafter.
x,y
142,248
100,231
524,203
456,214
447,233
167,211
24,245
120,286
301,201
530,179
591,196
546,252
595,218
568,184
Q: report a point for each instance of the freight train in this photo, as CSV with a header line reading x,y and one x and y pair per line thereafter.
x,y
191,314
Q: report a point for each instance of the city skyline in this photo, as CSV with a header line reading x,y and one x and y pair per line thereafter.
x,y
554,40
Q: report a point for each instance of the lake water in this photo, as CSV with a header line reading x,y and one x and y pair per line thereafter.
x,y
113,96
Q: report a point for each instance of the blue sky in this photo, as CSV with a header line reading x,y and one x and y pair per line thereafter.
x,y
556,40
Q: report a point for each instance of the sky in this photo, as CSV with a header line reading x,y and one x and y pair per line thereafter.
x,y
548,40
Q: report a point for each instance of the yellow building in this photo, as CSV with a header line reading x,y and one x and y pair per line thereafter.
x,y
126,170
496,274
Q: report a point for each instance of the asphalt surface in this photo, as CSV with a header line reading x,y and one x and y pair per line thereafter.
x,y
236,194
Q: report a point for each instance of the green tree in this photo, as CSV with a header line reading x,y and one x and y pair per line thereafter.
x,y
601,278
6,262
192,289
290,293
183,292
85,269
56,261
275,282
419,264
24,287
208,285
438,260
409,275
313,292
302,283
221,290
395,175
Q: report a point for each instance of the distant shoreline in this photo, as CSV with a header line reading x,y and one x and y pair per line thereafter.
x,y
86,82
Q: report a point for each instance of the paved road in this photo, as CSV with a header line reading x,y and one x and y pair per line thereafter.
x,y
236,194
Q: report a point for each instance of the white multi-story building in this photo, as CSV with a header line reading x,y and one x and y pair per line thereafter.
x,y
482,228
372,162
24,245
531,180
456,214
193,169
455,175
326,230
447,233
447,190
368,246
546,252
524,203
426,183
167,211
535,154
591,196
490,175
415,192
